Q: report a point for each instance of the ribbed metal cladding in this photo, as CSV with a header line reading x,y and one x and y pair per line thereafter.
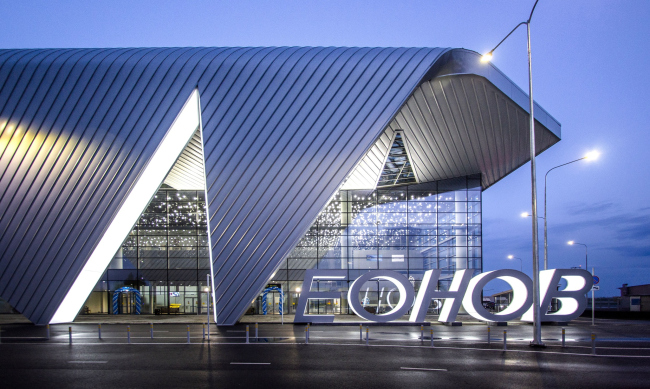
x,y
460,125
281,140
282,128
78,126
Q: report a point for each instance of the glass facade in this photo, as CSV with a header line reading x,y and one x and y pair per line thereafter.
x,y
408,229
166,257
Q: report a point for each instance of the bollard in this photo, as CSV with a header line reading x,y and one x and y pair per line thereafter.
x,y
70,334
505,337
151,329
367,337
99,331
247,341
306,337
203,331
360,332
563,339
488,335
593,344
188,334
308,330
432,346
256,334
421,334
128,333
47,331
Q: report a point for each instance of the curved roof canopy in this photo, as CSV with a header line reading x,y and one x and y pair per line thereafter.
x,y
280,130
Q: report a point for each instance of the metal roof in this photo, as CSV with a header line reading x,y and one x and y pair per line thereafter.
x,y
282,128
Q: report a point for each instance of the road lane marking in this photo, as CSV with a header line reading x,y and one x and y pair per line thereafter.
x,y
250,363
421,368
87,361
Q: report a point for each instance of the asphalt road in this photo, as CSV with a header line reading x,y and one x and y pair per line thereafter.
x,y
334,357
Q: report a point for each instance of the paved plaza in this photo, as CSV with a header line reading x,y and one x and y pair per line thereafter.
x,y
334,356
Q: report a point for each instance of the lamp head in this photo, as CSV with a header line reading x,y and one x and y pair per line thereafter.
x,y
486,57
298,290
525,214
592,155
510,256
570,242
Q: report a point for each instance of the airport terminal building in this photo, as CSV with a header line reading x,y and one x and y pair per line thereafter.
x,y
164,180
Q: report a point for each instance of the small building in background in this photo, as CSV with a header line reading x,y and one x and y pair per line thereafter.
x,y
635,298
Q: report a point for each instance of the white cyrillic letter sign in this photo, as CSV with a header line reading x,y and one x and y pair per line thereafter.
x,y
307,294
404,287
572,298
453,297
522,295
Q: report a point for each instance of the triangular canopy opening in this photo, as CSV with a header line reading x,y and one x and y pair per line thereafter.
x,y
397,169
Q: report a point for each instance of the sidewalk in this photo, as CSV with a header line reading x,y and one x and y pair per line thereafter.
x,y
6,319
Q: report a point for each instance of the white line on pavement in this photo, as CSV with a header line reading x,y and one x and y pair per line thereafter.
x,y
250,363
421,368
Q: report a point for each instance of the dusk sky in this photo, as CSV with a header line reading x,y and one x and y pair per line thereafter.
x,y
590,71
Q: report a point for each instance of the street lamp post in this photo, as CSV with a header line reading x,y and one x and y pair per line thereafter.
x,y
590,156
571,243
537,328
521,263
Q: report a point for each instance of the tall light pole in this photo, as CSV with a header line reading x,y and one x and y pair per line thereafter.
x,y
589,157
537,328
521,263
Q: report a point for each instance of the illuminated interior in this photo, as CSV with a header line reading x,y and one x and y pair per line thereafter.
x,y
408,229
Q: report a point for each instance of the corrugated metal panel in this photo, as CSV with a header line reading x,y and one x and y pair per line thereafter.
x,y
367,172
282,127
288,134
80,126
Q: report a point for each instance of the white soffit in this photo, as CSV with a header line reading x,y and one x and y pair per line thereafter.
x,y
179,134
187,173
366,174
460,125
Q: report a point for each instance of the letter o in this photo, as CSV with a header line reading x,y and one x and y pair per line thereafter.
x,y
522,299
406,294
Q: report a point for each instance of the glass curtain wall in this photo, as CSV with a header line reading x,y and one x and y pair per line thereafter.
x,y
166,257
408,229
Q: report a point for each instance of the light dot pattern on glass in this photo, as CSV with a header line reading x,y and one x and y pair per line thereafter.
x,y
408,229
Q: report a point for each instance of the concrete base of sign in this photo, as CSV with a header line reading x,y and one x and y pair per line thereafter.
x,y
498,323
363,323
558,323
452,323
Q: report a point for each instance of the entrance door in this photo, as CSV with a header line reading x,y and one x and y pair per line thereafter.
x,y
190,304
127,303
